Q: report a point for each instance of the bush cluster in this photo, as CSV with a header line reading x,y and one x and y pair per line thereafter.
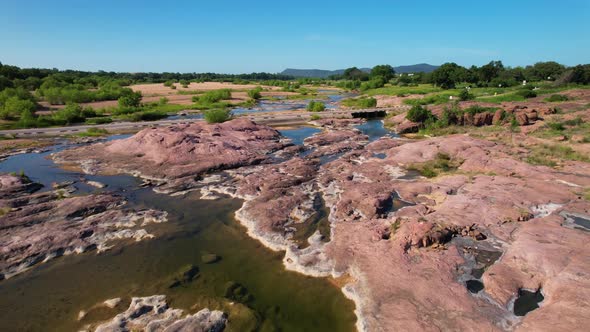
x,y
316,106
217,115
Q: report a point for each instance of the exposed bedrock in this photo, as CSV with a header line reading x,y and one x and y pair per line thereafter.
x,y
176,155
405,284
390,228
152,313
36,227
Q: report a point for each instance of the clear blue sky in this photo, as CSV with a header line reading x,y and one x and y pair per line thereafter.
x,y
259,35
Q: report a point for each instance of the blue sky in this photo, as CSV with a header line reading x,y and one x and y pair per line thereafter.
x,y
259,35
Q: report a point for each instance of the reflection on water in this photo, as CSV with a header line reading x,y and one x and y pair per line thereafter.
x,y
50,296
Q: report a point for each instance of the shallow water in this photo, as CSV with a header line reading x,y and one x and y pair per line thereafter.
x,y
375,130
330,98
527,301
576,221
50,296
189,116
297,135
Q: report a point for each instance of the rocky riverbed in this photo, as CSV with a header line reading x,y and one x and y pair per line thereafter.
x,y
412,244
485,240
37,227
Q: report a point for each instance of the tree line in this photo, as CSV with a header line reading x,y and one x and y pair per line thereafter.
x,y
448,75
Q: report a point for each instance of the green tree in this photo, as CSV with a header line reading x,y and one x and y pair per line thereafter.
x,y
448,75
5,83
465,95
419,114
384,71
13,107
549,70
130,99
27,120
490,71
72,113
580,74
355,74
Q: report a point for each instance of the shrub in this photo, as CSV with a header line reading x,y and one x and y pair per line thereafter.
x,y
315,117
213,96
99,120
217,115
130,100
419,114
465,95
147,116
574,122
448,117
72,113
255,93
14,107
27,120
558,126
316,106
163,101
557,98
362,102
373,84
94,132
527,93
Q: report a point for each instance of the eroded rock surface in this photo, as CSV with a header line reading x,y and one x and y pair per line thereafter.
x,y
36,227
173,156
402,236
152,313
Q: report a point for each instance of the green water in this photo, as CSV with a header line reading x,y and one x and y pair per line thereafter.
x,y
49,297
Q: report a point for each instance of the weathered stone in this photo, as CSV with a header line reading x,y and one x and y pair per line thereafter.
x,y
407,127
153,314
483,119
178,154
522,119
40,226
497,119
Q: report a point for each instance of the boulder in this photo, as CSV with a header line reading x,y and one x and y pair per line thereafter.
x,y
522,119
407,127
483,119
497,119
178,154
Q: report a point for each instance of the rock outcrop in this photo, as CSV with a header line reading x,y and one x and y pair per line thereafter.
x,y
152,313
405,239
175,155
36,227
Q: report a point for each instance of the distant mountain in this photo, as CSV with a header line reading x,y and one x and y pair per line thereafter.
x,y
315,73
419,68
320,73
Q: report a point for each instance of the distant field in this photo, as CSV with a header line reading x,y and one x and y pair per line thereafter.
x,y
153,92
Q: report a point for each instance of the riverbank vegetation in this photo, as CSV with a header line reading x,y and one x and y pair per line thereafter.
x,y
217,115
31,97
315,106
362,102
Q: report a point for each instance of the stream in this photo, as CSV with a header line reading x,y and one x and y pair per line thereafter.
x,y
50,296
